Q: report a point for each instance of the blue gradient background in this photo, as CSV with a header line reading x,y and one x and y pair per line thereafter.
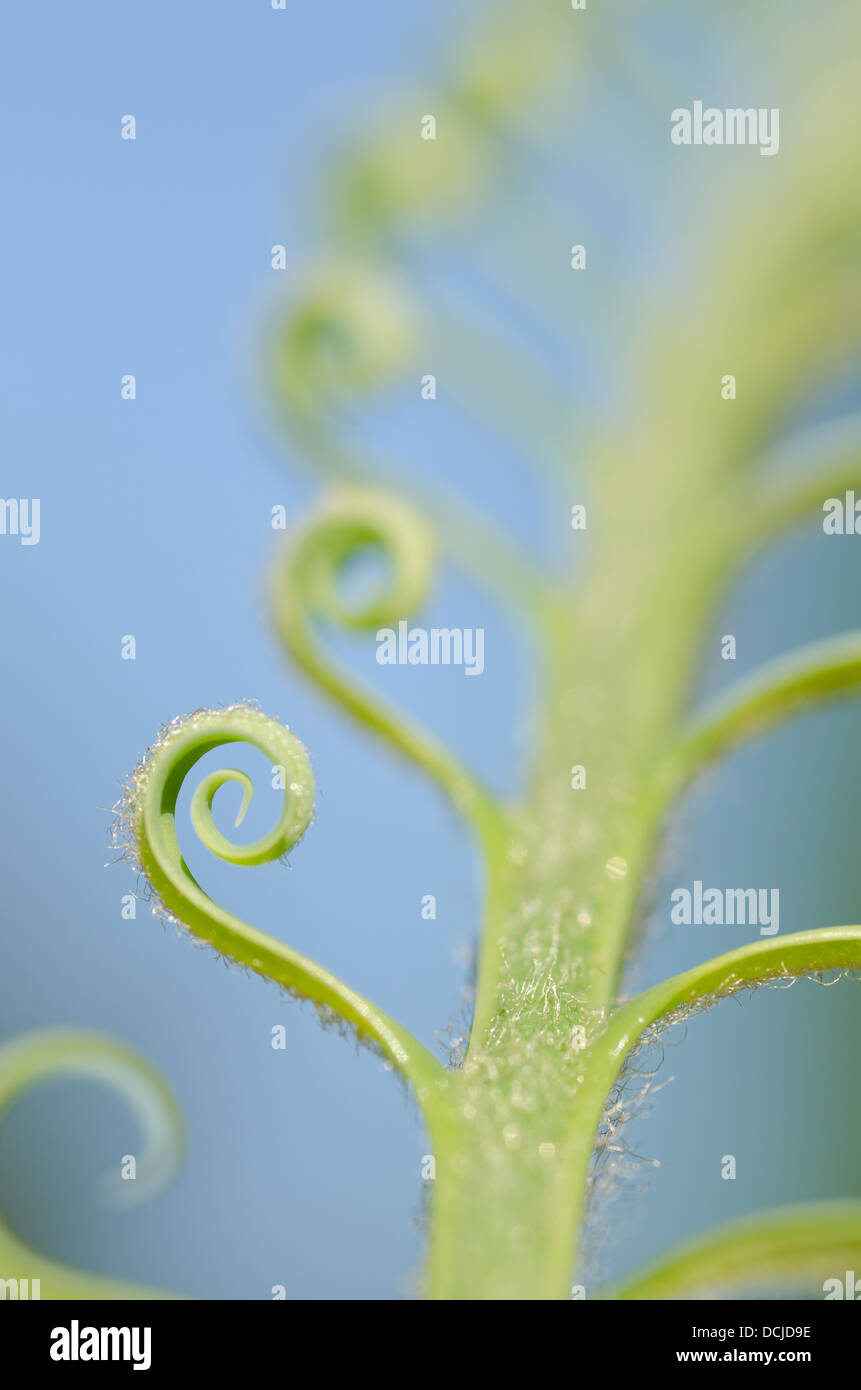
x,y
153,258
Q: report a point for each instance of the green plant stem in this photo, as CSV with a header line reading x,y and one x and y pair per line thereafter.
x,y
546,1048
523,1198
510,1195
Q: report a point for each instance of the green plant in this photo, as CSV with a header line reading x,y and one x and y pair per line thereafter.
x,y
685,487
514,1128
683,492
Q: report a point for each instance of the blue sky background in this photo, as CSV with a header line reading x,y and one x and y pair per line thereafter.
x,y
152,257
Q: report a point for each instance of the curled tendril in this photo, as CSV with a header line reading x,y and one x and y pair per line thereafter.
x,y
146,830
348,331
391,182
352,330
349,521
305,589
58,1053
